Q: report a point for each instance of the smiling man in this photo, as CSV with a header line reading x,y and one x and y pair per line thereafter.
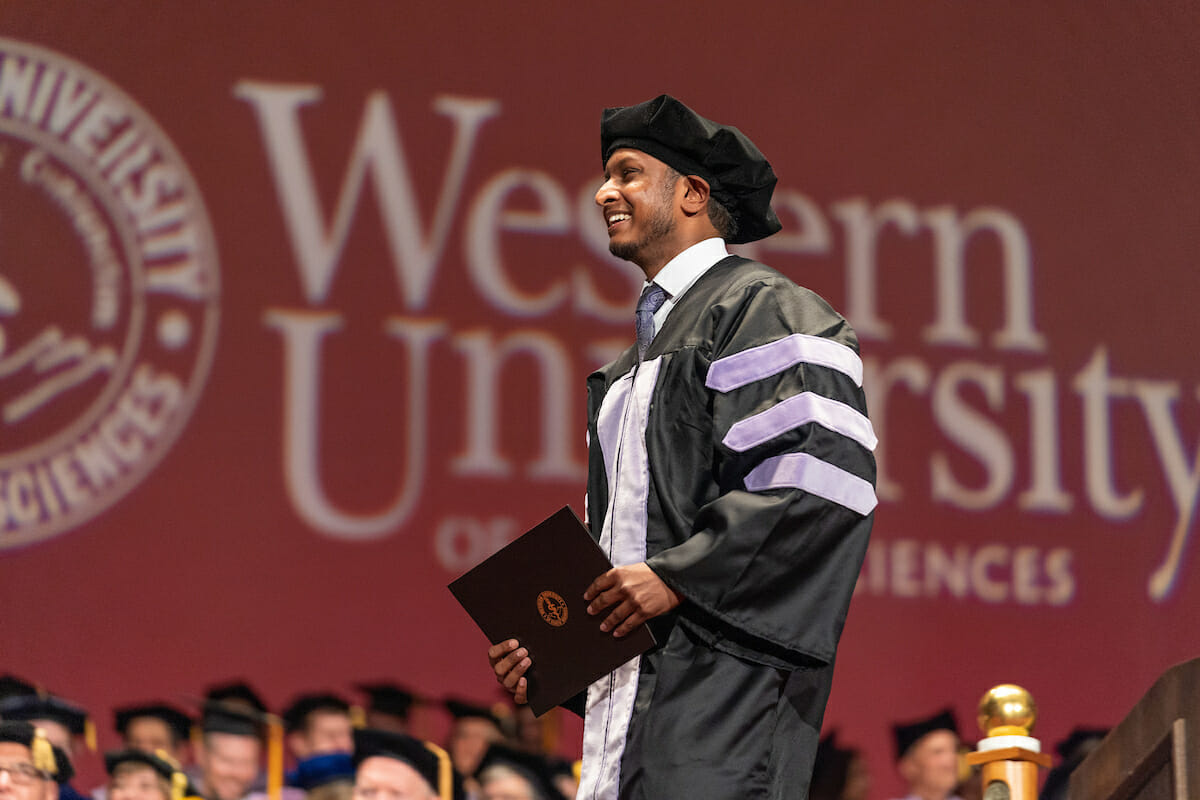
x,y
731,480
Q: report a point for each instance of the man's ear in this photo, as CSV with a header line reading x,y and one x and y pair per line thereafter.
x,y
695,195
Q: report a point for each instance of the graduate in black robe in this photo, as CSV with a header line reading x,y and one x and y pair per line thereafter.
x,y
731,481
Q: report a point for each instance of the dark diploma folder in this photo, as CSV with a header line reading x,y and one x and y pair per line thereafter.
x,y
532,590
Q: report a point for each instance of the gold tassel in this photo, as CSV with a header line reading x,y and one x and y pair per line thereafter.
x,y
358,717
178,785
445,771
274,758
43,753
89,734
179,780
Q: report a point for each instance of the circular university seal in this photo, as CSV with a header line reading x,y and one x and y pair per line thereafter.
x,y
109,294
552,608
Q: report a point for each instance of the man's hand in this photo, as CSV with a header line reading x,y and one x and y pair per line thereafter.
x,y
509,662
633,594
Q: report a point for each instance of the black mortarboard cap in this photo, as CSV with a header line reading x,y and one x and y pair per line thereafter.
x,y
296,714
45,706
116,758
532,767
389,698
179,722
236,692
223,717
908,734
49,759
181,785
738,174
462,709
11,685
431,761
321,769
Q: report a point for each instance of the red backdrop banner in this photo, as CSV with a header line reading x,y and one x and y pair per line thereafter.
x,y
297,303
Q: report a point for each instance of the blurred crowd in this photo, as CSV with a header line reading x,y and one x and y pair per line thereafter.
x,y
321,746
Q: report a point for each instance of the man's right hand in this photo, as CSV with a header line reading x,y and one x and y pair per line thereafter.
x,y
509,662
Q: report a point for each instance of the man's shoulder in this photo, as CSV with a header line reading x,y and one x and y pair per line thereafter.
x,y
742,291
738,276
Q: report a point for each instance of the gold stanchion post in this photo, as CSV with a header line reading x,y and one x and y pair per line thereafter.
x,y
1008,755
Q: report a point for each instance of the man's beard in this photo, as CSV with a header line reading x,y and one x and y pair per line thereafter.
x,y
658,227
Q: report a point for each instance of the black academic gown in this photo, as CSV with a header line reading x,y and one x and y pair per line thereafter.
x,y
736,459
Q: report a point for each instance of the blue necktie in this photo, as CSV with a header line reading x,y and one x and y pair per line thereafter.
x,y
653,296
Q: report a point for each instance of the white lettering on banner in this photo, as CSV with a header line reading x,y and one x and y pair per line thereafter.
x,y
303,332
379,153
462,542
991,573
970,402
485,362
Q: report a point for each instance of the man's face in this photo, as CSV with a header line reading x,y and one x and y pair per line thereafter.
x,y
637,198
18,778
134,781
229,764
325,732
149,734
380,778
931,765
469,740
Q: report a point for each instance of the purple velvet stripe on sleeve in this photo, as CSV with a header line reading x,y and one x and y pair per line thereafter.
x,y
769,359
795,411
811,474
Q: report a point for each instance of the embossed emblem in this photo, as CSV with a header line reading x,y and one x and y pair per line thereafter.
x,y
552,608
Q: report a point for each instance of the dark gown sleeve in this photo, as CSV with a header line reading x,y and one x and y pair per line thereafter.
x,y
768,574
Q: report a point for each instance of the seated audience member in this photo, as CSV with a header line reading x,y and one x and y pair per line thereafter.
x,y
229,753
317,724
508,774
30,767
1072,750
64,723
327,776
474,729
389,707
839,773
927,757
151,727
137,775
394,766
